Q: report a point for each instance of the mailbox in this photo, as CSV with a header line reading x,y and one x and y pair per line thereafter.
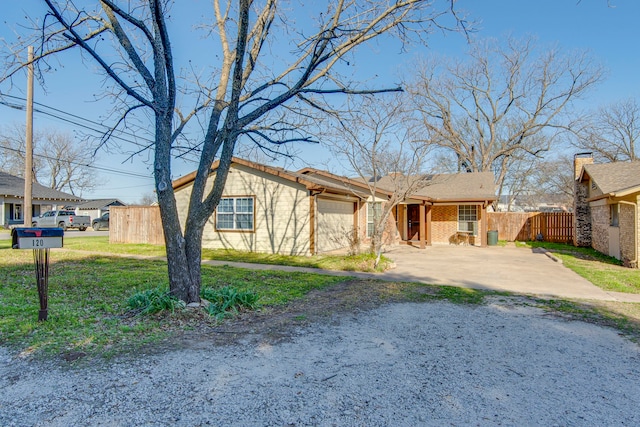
x,y
36,238
40,240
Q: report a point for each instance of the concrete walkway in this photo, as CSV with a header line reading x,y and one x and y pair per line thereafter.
x,y
511,269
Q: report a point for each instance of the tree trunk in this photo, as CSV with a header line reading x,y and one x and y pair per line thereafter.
x,y
183,254
183,261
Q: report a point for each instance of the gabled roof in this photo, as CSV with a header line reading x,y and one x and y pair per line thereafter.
x,y
614,179
13,186
327,178
476,186
100,203
311,182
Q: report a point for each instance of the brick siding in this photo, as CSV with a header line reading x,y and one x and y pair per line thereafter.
x,y
627,238
600,228
444,223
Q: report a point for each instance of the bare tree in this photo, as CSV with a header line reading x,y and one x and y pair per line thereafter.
x,y
12,146
147,199
554,177
375,140
504,103
251,91
538,181
613,132
60,162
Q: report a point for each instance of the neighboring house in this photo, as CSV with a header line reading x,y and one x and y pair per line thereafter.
x,y
606,207
509,203
533,203
12,199
95,208
273,210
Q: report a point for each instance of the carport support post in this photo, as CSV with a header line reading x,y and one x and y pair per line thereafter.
x,y
41,260
485,225
423,228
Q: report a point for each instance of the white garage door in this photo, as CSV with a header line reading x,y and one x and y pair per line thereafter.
x,y
335,223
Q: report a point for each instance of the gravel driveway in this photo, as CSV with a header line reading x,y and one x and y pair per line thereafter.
x,y
402,364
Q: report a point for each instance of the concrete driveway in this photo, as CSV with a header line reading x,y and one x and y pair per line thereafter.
x,y
497,268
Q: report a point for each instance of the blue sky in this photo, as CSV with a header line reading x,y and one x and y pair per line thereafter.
x,y
607,29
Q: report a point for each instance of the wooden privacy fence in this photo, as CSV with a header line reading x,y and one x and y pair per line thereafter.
x,y
135,224
553,227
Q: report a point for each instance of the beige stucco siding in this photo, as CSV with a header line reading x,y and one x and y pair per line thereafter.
x,y
281,211
594,190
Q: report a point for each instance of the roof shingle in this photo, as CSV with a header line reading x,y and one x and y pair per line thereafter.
x,y
614,177
13,186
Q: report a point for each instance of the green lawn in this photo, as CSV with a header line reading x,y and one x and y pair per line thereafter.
x,y
362,262
601,270
101,244
88,294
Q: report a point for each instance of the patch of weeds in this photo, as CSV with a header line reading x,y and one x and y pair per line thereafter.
x,y
460,295
153,301
228,300
419,293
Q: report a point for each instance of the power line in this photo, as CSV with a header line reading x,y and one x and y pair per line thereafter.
x,y
74,121
111,170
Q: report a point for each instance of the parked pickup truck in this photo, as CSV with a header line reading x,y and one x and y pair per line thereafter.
x,y
61,219
101,223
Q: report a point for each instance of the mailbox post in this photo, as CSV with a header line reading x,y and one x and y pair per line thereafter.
x,y
40,240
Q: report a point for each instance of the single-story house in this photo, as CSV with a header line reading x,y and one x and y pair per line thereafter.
x,y
95,208
44,199
442,208
273,210
607,197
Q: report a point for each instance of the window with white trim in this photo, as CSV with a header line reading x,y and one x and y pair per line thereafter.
x,y
235,213
374,210
468,219
17,212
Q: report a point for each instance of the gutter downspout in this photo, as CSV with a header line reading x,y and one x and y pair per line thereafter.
x,y
635,227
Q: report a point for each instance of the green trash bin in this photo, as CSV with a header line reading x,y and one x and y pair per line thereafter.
x,y
492,237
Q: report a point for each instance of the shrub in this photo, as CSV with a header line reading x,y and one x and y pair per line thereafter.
x,y
154,301
228,300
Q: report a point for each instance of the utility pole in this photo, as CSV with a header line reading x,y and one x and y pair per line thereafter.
x,y
28,163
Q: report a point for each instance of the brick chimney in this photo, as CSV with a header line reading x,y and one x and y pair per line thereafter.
x,y
581,208
580,160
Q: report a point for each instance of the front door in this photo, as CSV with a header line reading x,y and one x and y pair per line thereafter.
x,y
413,219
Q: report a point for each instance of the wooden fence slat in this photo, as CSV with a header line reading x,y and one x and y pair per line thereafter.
x,y
553,226
135,224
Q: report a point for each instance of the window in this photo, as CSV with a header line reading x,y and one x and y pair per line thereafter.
x,y
468,219
614,215
17,212
235,213
374,211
